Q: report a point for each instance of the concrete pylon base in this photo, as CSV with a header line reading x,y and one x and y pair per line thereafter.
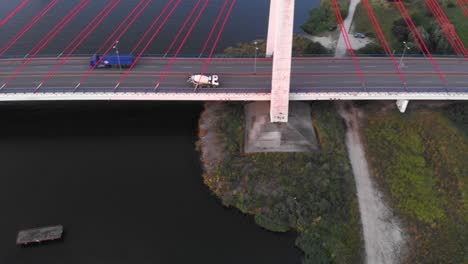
x,y
402,105
298,135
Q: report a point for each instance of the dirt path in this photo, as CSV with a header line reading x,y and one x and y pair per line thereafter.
x,y
382,235
340,50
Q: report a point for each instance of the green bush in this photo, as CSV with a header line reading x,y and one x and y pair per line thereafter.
x,y
371,48
319,20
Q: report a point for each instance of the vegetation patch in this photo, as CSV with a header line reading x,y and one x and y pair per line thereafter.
x,y
301,46
419,159
396,30
458,113
310,193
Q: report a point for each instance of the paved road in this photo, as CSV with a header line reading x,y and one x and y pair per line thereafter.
x,y
237,76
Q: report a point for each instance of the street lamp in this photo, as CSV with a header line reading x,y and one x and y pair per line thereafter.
x,y
255,57
117,52
401,64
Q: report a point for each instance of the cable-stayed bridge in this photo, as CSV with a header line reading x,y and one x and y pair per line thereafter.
x,y
278,78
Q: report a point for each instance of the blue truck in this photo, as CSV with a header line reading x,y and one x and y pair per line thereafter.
x,y
110,61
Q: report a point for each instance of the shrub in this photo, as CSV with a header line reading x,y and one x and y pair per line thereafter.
x,y
371,48
317,22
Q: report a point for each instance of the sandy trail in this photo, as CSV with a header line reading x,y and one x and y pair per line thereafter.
x,y
340,50
383,237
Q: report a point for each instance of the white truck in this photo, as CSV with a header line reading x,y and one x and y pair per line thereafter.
x,y
203,81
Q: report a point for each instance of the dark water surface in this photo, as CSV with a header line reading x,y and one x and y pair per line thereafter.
x,y
123,178
125,181
249,21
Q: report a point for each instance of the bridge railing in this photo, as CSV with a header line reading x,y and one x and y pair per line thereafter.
x,y
18,56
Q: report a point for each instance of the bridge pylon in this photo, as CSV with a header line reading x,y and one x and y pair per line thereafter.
x,y
279,44
272,28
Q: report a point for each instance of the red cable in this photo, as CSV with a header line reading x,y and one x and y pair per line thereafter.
x,y
442,24
42,46
104,10
183,27
417,35
148,43
28,27
440,20
447,28
214,27
382,39
110,47
463,6
151,27
12,13
208,60
121,25
410,28
166,71
105,15
61,24
347,41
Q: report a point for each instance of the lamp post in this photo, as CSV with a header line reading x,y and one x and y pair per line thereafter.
x,y
255,57
116,47
402,64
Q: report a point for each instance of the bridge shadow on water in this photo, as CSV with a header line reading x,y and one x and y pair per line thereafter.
x,y
125,181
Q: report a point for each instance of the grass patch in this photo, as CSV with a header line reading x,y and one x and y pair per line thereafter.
x,y
419,159
458,113
385,14
311,193
459,21
322,17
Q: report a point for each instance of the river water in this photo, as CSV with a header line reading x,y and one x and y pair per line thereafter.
x,y
122,177
248,21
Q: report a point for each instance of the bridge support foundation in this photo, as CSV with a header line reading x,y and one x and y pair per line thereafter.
x,y
402,105
283,21
298,135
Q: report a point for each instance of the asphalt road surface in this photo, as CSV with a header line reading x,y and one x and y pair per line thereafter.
x,y
239,75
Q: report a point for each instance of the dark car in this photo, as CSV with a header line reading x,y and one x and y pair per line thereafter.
x,y
359,35
332,27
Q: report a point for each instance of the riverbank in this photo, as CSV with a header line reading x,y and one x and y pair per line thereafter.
x,y
312,194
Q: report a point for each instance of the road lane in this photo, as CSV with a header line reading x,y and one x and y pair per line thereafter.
x,y
237,75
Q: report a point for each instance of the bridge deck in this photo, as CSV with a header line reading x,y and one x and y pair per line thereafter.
x,y
330,78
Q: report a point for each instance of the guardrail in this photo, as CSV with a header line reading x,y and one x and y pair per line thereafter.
x,y
17,56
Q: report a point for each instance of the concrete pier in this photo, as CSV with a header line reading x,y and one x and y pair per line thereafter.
x,y
281,76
